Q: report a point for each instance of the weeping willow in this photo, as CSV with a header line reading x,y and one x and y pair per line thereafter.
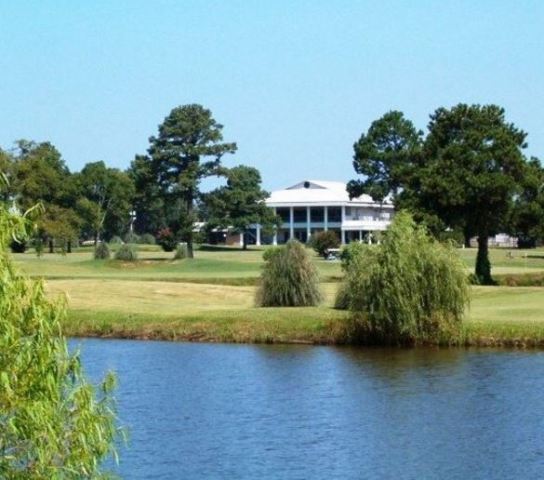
x,y
410,289
53,423
289,278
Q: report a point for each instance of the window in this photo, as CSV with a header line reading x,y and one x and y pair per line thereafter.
x,y
299,215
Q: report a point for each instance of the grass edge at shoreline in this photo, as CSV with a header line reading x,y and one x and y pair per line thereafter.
x,y
313,326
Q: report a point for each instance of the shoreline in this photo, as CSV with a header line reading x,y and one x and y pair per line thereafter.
x,y
288,326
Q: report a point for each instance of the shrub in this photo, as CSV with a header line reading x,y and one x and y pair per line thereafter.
x,y
53,422
181,252
166,239
116,240
126,253
102,251
147,239
131,237
322,241
270,252
289,278
410,289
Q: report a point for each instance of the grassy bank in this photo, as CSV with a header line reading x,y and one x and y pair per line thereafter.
x,y
177,311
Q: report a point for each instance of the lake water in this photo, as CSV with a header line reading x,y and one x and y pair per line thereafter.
x,y
204,411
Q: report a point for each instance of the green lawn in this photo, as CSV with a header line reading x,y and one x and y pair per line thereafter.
x,y
212,298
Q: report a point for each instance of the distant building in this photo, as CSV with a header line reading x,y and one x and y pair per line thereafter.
x,y
312,206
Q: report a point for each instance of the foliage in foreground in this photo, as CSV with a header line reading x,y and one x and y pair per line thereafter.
x,y
410,289
289,278
53,423
181,252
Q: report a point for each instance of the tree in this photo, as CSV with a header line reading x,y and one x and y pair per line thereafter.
x,y
526,219
384,155
321,242
472,167
61,225
40,176
188,135
409,289
240,203
106,198
53,422
464,177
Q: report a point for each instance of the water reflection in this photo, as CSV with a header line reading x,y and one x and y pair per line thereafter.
x,y
242,411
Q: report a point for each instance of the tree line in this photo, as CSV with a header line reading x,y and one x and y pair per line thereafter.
x,y
160,191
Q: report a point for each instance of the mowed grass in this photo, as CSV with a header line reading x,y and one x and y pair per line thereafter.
x,y
227,265
187,311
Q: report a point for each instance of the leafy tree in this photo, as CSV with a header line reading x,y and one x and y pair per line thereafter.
x,y
106,198
526,219
61,225
472,167
41,176
464,177
409,289
384,155
240,203
53,423
188,135
152,212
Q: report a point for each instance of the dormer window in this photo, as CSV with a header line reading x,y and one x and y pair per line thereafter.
x,y
306,184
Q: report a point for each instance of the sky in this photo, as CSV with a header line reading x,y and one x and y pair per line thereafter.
x,y
294,83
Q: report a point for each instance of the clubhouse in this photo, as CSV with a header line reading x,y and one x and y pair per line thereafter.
x,y
312,206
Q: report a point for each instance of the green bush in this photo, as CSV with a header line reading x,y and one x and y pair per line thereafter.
x,y
166,239
181,252
322,241
126,253
410,289
54,424
270,252
147,239
102,251
289,278
116,240
131,237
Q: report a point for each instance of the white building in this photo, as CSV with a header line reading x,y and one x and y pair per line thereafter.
x,y
312,206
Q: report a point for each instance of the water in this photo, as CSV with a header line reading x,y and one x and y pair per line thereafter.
x,y
204,411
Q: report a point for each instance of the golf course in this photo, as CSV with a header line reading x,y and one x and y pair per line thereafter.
x,y
211,298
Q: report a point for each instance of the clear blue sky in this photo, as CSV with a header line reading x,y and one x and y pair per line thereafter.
x,y
293,82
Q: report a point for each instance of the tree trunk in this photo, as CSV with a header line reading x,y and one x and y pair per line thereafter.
x,y
95,239
190,252
466,235
69,247
483,267
51,247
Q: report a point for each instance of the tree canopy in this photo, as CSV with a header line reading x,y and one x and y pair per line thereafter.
x,y
466,172
188,148
240,203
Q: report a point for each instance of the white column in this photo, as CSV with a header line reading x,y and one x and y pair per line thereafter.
x,y
326,218
258,235
360,235
308,221
291,223
275,236
342,225
241,242
369,238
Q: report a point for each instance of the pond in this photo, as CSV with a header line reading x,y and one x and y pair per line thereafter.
x,y
202,411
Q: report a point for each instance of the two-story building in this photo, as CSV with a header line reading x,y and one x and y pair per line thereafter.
x,y
312,206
